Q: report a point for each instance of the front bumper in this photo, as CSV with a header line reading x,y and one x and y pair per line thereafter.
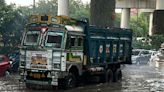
x,y
38,82
49,78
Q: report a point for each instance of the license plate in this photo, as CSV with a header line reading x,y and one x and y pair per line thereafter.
x,y
38,76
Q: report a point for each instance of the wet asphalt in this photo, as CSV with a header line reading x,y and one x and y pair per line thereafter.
x,y
136,78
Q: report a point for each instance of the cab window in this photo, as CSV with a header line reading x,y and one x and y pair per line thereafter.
x,y
32,38
74,42
54,39
80,41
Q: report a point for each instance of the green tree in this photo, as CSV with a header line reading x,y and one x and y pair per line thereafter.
x,y
6,15
117,20
102,12
25,10
46,7
78,9
139,25
157,40
11,25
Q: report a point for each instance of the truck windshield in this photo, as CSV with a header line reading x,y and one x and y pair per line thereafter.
x,y
32,38
54,39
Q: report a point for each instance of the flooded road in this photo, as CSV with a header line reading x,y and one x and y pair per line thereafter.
x,y
136,78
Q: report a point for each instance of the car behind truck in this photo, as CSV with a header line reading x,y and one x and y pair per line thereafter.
x,y
61,51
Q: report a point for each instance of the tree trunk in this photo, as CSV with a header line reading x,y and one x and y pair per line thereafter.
x,y
102,12
158,22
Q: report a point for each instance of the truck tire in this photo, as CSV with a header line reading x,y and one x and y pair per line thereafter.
x,y
118,75
70,81
109,76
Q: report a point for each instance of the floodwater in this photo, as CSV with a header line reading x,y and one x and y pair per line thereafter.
x,y
136,78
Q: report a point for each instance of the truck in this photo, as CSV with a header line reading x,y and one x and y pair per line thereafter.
x,y
62,51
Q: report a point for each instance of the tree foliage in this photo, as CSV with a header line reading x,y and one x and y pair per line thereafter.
x,y
157,40
11,25
102,12
13,19
78,9
149,42
46,7
140,25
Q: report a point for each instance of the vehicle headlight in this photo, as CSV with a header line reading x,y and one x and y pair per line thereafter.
x,y
22,63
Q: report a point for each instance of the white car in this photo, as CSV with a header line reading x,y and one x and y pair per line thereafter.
x,y
140,56
158,58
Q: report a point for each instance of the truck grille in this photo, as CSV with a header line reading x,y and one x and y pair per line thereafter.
x,y
39,60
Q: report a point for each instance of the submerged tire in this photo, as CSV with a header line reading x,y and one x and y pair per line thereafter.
x,y
70,81
109,76
118,75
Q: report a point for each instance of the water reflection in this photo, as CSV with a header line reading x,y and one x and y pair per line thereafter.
x,y
159,66
136,78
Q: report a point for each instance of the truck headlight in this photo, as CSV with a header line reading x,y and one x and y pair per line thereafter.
x,y
22,63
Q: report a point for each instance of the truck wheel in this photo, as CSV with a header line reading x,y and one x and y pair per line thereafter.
x,y
109,76
70,81
118,75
